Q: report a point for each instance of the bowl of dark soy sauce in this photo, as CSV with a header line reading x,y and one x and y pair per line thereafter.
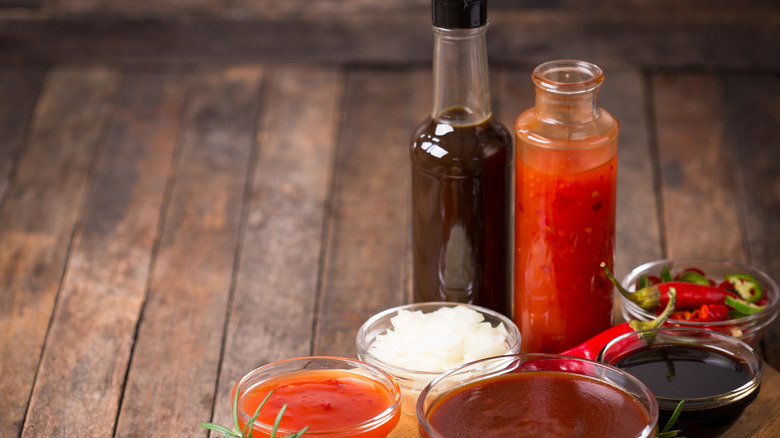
x,y
717,375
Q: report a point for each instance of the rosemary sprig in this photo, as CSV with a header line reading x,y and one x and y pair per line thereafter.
x,y
666,433
246,432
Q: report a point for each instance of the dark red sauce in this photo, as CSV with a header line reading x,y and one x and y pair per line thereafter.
x,y
539,403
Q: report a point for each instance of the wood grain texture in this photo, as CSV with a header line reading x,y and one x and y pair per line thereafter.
x,y
609,33
700,211
272,311
37,221
93,329
18,93
753,112
760,418
366,243
637,232
175,362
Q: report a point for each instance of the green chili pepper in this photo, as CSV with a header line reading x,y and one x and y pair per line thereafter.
x,y
665,274
694,277
746,286
742,307
643,281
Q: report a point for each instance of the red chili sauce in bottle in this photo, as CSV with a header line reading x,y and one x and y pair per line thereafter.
x,y
566,170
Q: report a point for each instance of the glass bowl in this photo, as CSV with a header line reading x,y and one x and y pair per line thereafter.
x,y
749,329
320,387
412,378
717,375
530,395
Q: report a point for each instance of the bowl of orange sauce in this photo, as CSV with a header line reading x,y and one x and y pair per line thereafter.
x,y
525,395
331,396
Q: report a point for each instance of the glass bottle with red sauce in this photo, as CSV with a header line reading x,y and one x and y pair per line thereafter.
x,y
462,172
566,169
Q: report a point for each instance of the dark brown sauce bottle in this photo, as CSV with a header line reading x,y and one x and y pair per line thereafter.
x,y
462,172
460,180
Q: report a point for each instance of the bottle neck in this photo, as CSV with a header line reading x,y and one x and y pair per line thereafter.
x,y
461,93
563,109
567,92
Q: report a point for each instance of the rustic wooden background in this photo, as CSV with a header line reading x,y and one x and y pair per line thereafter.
x,y
732,34
192,188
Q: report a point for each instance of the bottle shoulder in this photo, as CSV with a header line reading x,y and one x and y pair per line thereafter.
x,y
464,145
529,127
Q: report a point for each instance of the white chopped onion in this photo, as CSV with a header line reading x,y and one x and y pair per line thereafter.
x,y
439,341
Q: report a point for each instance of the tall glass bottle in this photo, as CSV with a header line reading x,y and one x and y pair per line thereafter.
x,y
462,172
565,209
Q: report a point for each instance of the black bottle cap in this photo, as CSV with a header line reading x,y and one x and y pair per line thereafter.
x,y
459,14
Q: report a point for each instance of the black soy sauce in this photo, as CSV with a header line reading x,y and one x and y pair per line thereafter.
x,y
687,372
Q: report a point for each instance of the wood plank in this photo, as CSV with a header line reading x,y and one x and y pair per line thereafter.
x,y
329,8
760,419
638,238
174,366
18,92
640,37
82,371
701,217
251,8
753,112
27,4
737,36
272,310
37,220
367,235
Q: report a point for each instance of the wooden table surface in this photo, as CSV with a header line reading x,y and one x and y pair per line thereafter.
x,y
166,227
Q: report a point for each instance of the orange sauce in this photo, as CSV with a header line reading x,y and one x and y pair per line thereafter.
x,y
323,400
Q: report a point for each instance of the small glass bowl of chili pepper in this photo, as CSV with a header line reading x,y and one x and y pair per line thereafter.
x,y
719,295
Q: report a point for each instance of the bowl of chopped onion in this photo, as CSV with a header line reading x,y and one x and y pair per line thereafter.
x,y
416,343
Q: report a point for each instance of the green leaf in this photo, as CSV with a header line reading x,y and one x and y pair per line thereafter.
x,y
221,429
299,433
248,426
666,433
247,431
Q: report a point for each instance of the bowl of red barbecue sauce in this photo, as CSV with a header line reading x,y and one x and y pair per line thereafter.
x,y
525,395
717,375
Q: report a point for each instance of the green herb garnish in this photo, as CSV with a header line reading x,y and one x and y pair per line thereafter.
x,y
666,433
246,432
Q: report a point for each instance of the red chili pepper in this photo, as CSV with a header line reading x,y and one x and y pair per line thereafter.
x,y
590,349
688,294
691,294
705,313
